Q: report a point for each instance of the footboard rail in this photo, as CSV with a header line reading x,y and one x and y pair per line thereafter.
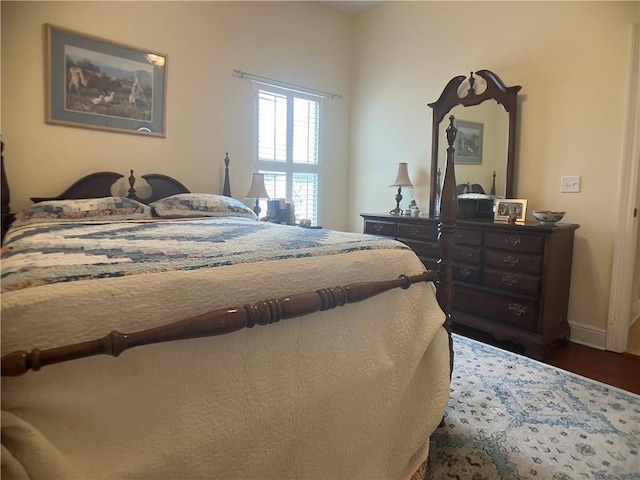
x,y
217,322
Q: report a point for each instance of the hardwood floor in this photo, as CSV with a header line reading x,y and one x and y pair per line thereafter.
x,y
618,369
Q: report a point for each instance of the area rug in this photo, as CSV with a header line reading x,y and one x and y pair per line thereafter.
x,y
510,417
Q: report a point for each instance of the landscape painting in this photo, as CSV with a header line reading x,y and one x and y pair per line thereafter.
x,y
95,83
107,85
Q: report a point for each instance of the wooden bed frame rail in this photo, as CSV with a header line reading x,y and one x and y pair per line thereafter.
x,y
217,322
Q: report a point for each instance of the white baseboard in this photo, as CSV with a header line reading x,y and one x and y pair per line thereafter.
x,y
588,335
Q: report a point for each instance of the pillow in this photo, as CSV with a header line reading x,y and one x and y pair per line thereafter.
x,y
475,196
86,209
201,205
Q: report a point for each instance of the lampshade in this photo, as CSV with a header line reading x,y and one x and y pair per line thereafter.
x,y
257,189
402,179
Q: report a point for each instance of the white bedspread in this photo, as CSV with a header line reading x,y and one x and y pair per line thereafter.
x,y
353,392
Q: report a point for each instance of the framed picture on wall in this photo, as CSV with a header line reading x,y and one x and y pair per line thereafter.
x,y
505,208
468,143
97,83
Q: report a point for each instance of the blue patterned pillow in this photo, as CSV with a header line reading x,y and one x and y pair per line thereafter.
x,y
201,205
87,209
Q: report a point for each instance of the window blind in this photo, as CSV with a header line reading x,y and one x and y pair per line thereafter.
x,y
288,147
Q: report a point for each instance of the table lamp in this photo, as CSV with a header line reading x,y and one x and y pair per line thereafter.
x,y
257,191
402,180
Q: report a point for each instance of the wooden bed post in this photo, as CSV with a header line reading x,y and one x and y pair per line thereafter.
x,y
226,189
7,216
447,233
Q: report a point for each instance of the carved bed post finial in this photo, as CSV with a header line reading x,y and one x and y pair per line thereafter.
x,y
493,185
132,181
472,81
451,135
226,189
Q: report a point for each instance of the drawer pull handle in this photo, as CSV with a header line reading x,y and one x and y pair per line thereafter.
x,y
517,309
510,260
465,272
466,254
377,227
435,246
459,236
414,231
513,241
509,280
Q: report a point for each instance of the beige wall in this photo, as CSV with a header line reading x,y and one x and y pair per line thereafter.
x,y
209,112
572,60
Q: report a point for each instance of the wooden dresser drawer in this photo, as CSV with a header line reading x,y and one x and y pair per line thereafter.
x,y
466,236
513,262
375,227
467,255
511,282
516,242
417,232
423,249
467,274
513,311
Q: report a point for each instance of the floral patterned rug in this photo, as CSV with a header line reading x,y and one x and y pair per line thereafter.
x,y
510,417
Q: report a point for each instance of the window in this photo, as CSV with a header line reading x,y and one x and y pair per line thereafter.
x,y
287,147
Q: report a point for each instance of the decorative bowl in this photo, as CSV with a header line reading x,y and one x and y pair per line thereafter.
x,y
548,217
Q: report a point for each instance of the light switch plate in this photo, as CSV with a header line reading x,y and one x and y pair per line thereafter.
x,y
570,184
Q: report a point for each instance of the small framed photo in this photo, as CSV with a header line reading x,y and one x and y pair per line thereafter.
x,y
97,83
468,143
511,206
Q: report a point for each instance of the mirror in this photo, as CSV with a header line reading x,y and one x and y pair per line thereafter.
x,y
485,112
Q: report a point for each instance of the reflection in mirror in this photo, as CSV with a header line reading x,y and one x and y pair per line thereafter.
x,y
485,111
493,158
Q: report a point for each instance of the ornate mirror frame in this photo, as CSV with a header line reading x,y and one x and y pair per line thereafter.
x,y
496,90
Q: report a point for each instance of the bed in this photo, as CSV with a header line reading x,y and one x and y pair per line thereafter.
x,y
245,349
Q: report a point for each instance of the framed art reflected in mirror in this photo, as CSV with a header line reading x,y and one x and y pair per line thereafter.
x,y
469,141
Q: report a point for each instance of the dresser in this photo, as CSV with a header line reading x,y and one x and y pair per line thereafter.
x,y
511,281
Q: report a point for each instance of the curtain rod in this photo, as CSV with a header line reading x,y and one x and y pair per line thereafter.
x,y
241,74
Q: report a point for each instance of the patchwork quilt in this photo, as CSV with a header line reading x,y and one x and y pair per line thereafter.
x,y
43,254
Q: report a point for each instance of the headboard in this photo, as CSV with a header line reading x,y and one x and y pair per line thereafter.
x,y
99,184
